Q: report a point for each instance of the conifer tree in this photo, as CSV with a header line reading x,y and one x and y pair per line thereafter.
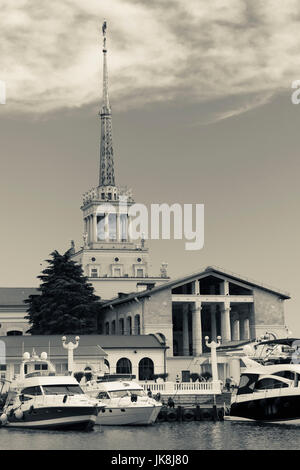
x,y
67,304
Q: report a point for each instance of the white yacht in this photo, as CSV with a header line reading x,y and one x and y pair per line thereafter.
x,y
126,402
268,393
43,400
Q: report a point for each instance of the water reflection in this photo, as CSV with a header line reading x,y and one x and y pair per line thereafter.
x,y
166,436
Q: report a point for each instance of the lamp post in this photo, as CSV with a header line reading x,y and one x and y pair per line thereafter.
x,y
214,366
213,353
70,347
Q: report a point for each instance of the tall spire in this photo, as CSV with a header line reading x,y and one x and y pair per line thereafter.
x,y
107,174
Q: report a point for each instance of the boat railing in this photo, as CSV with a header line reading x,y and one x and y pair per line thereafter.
x,y
182,388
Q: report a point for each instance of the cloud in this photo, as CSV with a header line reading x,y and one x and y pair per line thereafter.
x,y
158,50
246,103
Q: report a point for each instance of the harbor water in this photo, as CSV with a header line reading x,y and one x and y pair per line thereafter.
x,y
195,435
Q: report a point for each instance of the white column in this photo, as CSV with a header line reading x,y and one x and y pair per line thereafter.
x,y
185,330
213,322
225,323
94,227
236,329
246,329
242,328
106,228
235,369
127,235
89,228
197,330
118,227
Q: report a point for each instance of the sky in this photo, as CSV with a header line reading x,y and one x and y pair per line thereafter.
x,y
202,113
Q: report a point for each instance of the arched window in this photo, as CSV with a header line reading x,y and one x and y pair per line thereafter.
x,y
14,333
146,369
124,366
113,327
137,325
129,326
107,328
121,326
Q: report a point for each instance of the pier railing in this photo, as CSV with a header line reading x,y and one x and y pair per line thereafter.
x,y
183,388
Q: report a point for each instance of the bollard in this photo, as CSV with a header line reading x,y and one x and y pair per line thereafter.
x,y
198,413
179,413
215,413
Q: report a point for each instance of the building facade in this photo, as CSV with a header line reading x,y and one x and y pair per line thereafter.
x,y
210,303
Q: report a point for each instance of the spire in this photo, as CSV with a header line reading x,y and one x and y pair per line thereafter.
x,y
107,175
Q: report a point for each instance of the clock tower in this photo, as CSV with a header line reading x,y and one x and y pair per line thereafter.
x,y
113,262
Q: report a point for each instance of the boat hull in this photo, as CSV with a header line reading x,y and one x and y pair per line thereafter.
x,y
127,416
276,410
63,418
238,419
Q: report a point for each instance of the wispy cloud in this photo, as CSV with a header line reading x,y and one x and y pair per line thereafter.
x,y
158,50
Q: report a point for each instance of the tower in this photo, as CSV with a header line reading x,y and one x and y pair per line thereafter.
x,y
113,262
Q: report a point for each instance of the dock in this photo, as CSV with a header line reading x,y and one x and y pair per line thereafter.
x,y
194,408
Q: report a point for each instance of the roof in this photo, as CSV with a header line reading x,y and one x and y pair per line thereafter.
x,y
17,345
89,345
207,271
130,341
16,295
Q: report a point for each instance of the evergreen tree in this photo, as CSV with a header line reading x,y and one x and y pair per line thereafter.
x,y
67,304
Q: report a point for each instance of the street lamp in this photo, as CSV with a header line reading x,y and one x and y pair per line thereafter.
x,y
213,354
214,367
70,347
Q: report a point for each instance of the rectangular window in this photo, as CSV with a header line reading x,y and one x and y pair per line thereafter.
x,y
40,366
139,272
94,272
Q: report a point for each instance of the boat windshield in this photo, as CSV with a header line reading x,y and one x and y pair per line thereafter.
x,y
247,383
138,393
127,393
62,389
119,394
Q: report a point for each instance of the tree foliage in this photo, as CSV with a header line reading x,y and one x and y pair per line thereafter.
x,y
66,304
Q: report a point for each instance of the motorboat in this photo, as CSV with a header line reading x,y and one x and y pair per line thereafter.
x,y
126,402
274,351
269,393
44,400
